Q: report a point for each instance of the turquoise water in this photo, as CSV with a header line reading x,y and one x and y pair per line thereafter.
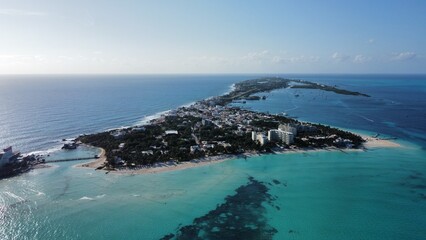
x,y
377,194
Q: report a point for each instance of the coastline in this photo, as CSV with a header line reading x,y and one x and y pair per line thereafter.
x,y
99,162
244,91
370,143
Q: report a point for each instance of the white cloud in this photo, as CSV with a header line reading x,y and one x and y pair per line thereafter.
x,y
361,58
19,12
403,56
297,59
15,58
339,57
371,40
266,57
256,56
251,61
207,60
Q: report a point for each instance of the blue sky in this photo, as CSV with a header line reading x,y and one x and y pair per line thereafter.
x,y
252,36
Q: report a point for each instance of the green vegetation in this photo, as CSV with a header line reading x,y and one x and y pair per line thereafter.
x,y
311,85
152,145
245,89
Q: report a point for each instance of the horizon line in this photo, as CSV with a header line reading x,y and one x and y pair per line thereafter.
x,y
136,74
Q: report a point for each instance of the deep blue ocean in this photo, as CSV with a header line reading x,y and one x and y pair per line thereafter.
x,y
375,194
37,112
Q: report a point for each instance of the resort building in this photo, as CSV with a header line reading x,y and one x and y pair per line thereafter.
x,y
253,135
261,138
304,127
288,128
278,135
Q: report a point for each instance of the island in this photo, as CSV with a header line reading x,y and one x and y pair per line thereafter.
x,y
214,128
311,85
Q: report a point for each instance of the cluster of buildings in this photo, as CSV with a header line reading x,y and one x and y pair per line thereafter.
x,y
237,120
284,134
206,145
222,116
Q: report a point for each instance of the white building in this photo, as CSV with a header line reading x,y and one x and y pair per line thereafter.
x,y
5,156
139,128
261,138
147,152
289,138
288,128
254,135
279,135
172,132
273,135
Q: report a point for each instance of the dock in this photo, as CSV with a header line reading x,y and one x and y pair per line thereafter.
x,y
71,159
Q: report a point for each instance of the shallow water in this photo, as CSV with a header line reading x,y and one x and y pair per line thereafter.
x,y
318,195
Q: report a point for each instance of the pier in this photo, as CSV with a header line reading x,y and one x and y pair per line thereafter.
x,y
70,159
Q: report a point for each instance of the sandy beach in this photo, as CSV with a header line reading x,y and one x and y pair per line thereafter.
x,y
96,163
173,166
371,142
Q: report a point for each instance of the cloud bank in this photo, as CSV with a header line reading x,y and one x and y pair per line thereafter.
x,y
404,56
19,12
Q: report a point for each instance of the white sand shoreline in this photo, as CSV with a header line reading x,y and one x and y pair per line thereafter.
x,y
370,143
99,162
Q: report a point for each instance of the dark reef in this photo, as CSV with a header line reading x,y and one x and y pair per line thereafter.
x,y
241,216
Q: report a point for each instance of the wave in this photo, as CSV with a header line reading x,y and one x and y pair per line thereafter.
x,y
38,193
365,118
230,89
14,196
291,109
92,199
86,198
45,152
148,118
145,120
